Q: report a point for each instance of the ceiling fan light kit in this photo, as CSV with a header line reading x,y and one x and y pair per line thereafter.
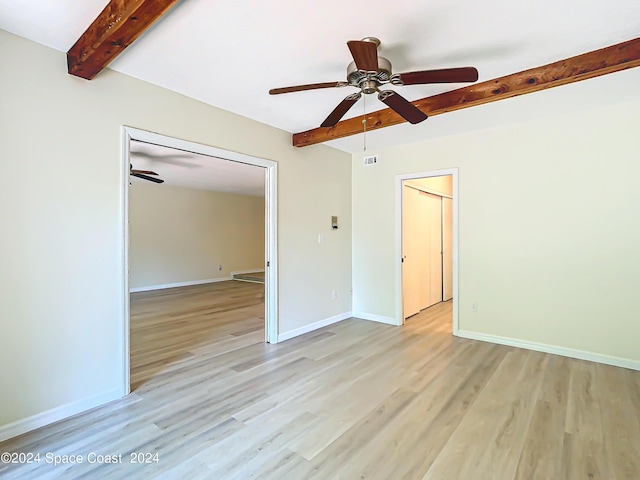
x,y
368,72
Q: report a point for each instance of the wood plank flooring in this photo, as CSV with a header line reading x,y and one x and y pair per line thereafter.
x,y
355,400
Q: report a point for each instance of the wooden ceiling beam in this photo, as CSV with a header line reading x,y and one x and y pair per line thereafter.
x,y
117,27
581,67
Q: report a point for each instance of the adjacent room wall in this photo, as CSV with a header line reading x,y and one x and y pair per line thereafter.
x,y
61,310
442,185
549,227
180,235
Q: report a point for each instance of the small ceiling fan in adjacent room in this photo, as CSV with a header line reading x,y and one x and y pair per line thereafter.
x,y
144,174
369,72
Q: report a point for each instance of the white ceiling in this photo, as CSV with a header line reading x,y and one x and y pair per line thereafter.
x,y
191,170
229,53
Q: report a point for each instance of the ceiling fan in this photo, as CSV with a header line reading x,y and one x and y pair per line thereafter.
x,y
144,174
369,72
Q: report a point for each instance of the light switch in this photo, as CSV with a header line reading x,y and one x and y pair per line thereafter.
x,y
334,222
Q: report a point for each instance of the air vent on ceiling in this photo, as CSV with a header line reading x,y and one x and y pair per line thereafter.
x,y
371,160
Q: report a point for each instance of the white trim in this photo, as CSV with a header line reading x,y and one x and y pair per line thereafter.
x,y
124,248
313,326
245,272
242,272
178,284
172,142
25,425
376,318
271,227
398,239
553,349
271,329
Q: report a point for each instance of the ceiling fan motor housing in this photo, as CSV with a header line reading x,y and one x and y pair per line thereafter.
x,y
368,82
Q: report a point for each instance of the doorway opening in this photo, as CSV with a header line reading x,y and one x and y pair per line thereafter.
x,y
182,163
427,242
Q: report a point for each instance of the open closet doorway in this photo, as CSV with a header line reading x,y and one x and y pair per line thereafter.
x,y
200,243
427,224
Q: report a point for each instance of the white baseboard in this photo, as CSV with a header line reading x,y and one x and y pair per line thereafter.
x,y
543,347
242,272
376,318
25,425
313,326
179,284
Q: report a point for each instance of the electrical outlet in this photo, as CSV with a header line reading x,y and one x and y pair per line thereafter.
x,y
474,307
334,295
219,268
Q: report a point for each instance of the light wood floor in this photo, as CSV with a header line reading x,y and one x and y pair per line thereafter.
x,y
355,400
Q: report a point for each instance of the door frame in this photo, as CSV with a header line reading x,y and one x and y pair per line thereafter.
x,y
271,226
398,239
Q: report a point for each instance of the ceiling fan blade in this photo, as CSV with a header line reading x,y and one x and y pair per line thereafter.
x,y
144,172
342,108
311,86
145,177
402,106
365,54
444,75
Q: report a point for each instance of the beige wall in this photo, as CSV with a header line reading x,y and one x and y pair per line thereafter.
x,y
61,310
182,235
549,227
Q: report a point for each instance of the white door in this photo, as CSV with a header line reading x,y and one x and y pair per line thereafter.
x,y
411,250
447,249
431,240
